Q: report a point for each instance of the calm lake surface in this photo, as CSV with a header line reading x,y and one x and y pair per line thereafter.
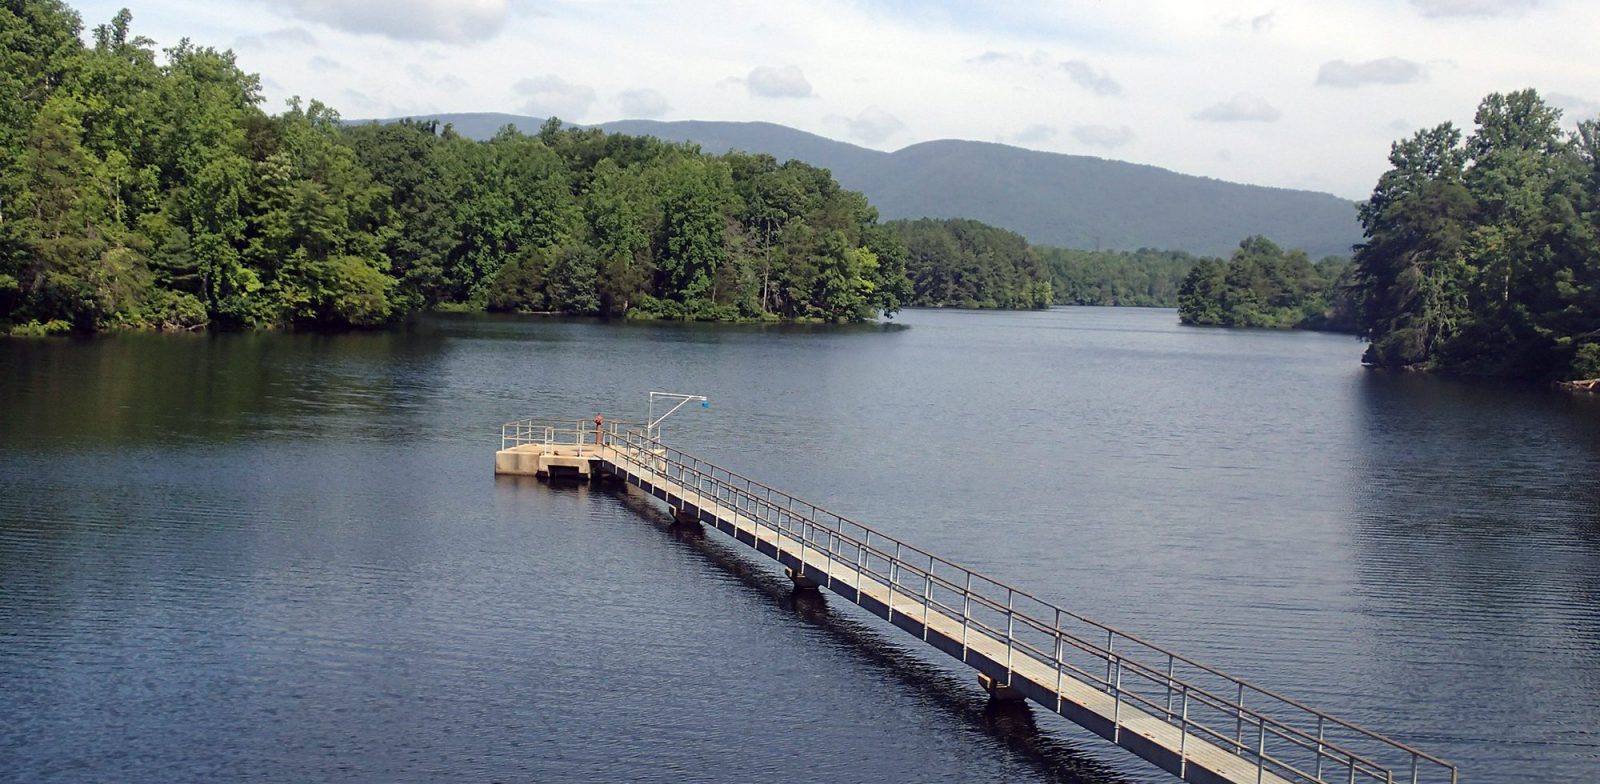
x,y
286,558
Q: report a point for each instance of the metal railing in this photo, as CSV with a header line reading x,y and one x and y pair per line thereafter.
x,y
1275,733
557,432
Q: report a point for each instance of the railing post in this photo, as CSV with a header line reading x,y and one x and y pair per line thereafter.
x,y
1183,736
1011,631
1110,642
1413,767
1058,663
927,596
1238,721
1261,748
894,565
1169,688
802,569
1319,747
1116,706
861,562
966,612
1352,760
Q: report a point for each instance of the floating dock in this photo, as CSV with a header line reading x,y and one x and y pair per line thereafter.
x,y
1187,718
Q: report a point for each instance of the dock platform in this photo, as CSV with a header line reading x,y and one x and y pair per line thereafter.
x,y
1187,718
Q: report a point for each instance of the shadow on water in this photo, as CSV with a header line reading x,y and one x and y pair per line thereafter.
x,y
1012,725
1477,540
139,389
555,328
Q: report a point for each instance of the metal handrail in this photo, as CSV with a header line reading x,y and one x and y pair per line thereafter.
x,y
554,432
756,499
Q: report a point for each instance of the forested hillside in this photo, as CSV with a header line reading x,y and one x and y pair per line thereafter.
x,y
1074,201
148,190
1483,253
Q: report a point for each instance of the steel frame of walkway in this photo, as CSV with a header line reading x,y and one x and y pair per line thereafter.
x,y
1187,718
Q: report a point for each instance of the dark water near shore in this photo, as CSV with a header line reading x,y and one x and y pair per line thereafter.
x,y
284,557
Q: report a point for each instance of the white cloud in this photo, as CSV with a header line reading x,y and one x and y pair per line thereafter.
x,y
453,21
1260,23
1103,135
288,36
991,56
1240,108
1575,108
1081,72
551,96
1037,59
875,125
1472,8
1035,134
1389,70
643,104
1086,76
944,71
785,81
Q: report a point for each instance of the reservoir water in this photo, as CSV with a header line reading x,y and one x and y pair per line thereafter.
x,y
284,557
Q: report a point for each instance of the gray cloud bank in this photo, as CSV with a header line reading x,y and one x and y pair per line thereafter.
x,y
1081,72
1087,77
1472,8
643,103
1389,70
767,81
451,21
1103,135
875,125
551,96
1240,108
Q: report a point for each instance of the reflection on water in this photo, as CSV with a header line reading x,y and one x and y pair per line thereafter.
x,y
1479,537
283,555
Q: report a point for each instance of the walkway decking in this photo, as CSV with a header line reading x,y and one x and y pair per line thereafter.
x,y
1185,717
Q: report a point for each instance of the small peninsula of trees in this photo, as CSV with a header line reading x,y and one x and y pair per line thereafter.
x,y
1482,255
1263,285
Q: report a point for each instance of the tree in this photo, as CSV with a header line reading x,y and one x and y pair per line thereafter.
x,y
1481,256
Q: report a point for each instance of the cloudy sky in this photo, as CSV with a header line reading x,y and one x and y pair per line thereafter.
x,y
1275,92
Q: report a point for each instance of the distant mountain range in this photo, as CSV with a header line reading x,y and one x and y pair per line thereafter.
x,y
1073,201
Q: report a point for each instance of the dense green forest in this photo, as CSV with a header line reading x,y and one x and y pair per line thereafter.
x,y
965,263
968,264
1141,278
1263,285
1482,255
148,191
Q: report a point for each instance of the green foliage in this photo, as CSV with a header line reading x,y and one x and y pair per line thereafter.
x,y
1263,285
146,191
964,263
1482,254
1142,278
36,329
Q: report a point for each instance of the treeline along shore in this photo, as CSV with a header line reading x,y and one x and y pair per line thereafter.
x,y
1482,255
148,190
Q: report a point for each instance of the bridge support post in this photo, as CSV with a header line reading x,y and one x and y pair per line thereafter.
x,y
999,692
801,582
683,516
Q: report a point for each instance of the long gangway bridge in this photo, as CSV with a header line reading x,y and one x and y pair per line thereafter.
x,y
1190,719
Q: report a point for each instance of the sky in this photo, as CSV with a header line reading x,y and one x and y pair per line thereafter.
x,y
1306,95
